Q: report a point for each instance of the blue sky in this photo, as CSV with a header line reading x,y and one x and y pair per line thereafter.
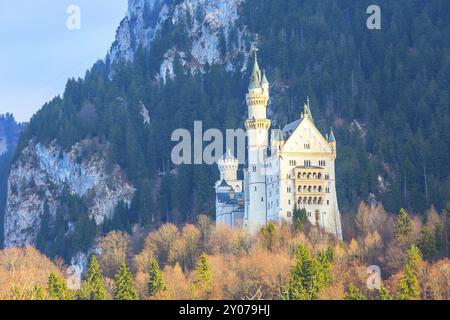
x,y
38,53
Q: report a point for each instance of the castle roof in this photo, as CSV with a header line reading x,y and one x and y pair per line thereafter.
x,y
264,79
255,80
224,184
331,137
289,129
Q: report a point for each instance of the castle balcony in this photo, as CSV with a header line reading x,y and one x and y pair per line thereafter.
x,y
258,124
309,173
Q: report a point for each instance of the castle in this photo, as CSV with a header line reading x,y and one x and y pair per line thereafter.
x,y
295,171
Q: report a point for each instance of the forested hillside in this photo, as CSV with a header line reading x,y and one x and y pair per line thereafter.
x,y
385,92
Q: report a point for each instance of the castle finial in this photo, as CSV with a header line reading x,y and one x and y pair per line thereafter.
x,y
255,81
307,110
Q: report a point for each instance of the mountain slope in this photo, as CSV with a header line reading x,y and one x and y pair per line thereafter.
x,y
385,92
9,136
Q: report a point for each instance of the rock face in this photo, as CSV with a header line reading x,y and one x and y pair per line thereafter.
x,y
209,24
9,136
42,172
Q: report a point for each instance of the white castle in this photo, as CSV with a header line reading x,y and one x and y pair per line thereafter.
x,y
296,171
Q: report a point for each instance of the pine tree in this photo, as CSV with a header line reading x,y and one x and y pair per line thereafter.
x,y
300,217
384,294
403,226
414,259
57,288
427,243
124,289
409,286
268,234
156,282
44,231
354,293
202,277
94,286
308,276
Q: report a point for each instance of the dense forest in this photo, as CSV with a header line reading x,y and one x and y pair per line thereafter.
x,y
385,92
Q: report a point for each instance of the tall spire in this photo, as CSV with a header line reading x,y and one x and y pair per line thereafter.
x,y
255,81
307,110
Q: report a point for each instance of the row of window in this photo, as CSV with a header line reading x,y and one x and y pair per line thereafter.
x,y
309,189
311,200
311,175
307,163
301,201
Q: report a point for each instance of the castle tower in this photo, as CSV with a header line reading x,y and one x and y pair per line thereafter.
x,y
228,166
257,126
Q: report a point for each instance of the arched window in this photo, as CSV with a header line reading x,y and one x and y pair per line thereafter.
x,y
299,189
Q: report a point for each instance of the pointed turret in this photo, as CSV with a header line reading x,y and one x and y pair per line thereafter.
x,y
264,80
332,141
258,95
331,137
255,80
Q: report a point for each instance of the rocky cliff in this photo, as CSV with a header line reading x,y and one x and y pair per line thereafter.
x,y
42,172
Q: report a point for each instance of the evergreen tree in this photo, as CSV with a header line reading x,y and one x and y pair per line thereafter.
x,y
93,287
202,277
44,231
427,243
403,226
409,286
414,259
124,289
384,294
300,217
57,288
308,276
354,293
156,282
439,237
268,234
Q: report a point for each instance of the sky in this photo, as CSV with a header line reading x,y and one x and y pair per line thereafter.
x,y
41,47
